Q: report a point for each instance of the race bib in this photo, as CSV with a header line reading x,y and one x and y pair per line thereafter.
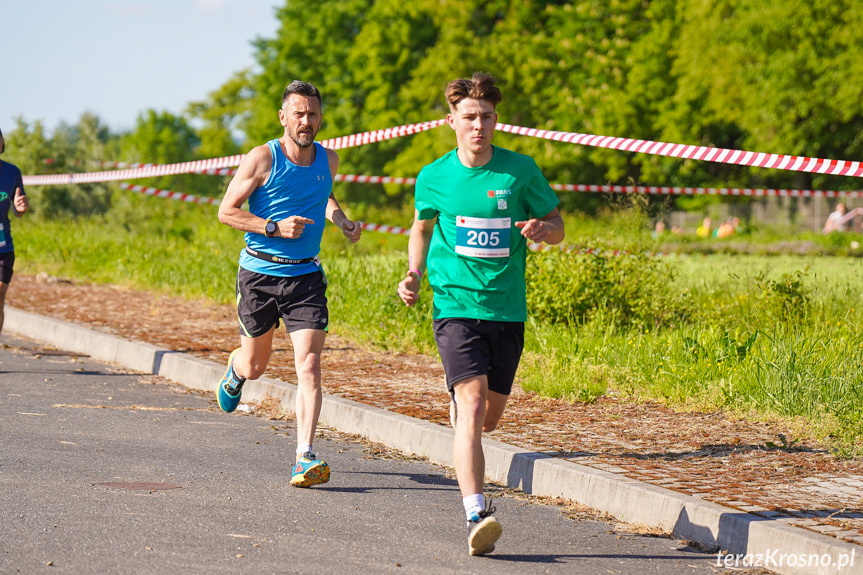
x,y
482,237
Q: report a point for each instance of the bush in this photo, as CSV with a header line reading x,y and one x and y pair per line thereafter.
x,y
630,288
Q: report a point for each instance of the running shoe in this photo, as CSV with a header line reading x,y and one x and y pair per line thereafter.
x,y
482,531
230,389
309,471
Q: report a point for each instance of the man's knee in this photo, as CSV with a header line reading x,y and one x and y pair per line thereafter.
x,y
309,367
250,367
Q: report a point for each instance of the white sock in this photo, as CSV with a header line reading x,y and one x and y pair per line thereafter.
x,y
303,448
473,504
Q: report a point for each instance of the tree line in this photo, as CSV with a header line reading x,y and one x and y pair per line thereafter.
x,y
759,75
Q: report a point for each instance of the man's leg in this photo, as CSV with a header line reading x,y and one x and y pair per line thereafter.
x,y
308,345
470,396
4,287
478,410
251,360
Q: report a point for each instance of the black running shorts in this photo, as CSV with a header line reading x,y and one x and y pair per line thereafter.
x,y
473,347
300,301
7,262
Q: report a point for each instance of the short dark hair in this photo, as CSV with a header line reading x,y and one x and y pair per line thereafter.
x,y
479,87
303,89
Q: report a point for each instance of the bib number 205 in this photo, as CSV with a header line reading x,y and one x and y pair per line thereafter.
x,y
482,237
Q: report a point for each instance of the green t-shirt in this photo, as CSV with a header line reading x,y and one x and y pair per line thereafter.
x,y
477,256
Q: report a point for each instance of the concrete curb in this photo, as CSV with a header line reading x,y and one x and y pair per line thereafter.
x,y
762,540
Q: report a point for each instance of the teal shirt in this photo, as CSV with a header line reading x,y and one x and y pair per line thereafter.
x,y
476,258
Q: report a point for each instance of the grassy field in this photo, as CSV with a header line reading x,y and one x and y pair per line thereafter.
x,y
760,336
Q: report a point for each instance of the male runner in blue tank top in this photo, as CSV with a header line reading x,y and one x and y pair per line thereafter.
x,y
288,183
11,195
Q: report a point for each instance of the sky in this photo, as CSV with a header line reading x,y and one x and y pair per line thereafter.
x,y
118,58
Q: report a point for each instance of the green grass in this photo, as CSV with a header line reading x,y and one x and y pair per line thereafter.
x,y
769,337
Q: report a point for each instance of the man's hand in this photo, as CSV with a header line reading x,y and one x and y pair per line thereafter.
x,y
293,226
352,230
534,230
409,288
20,202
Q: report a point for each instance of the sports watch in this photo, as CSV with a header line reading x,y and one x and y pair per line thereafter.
x,y
270,229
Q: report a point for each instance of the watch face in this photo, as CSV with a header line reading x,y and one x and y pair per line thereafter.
x,y
271,228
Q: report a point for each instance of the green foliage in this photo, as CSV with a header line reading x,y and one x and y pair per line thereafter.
x,y
788,297
70,149
629,289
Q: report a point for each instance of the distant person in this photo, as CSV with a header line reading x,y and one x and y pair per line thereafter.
x,y
11,196
288,183
838,220
658,230
476,209
728,228
705,230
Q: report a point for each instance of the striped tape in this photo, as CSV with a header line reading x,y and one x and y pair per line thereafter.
x,y
755,192
156,192
704,153
683,151
339,177
370,227
202,166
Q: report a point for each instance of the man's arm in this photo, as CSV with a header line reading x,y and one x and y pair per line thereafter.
x,y
335,214
548,229
418,248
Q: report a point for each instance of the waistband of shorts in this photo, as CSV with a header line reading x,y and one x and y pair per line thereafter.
x,y
279,259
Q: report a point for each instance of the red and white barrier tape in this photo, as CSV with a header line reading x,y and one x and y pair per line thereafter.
x,y
150,171
339,177
219,172
155,192
755,192
124,165
370,227
130,174
704,153
597,188
380,135
384,229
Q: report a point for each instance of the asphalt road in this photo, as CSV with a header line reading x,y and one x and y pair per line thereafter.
x,y
108,472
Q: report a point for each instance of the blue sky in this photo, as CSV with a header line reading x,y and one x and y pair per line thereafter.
x,y
117,58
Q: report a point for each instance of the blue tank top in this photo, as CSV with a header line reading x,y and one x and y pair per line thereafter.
x,y
290,190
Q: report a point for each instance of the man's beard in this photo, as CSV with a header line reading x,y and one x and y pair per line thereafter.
x,y
302,140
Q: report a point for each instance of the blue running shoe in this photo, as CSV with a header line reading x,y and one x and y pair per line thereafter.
x,y
230,388
483,531
309,471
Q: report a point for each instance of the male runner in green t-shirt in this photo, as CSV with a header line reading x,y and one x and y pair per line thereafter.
x,y
475,210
